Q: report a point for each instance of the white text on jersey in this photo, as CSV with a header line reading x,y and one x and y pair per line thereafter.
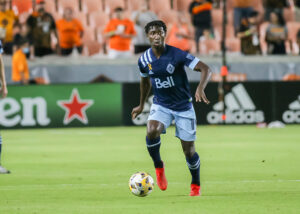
x,y
164,84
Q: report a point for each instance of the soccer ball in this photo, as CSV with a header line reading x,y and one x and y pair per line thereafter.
x,y
141,184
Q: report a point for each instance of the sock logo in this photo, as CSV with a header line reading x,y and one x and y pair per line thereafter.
x,y
293,114
239,108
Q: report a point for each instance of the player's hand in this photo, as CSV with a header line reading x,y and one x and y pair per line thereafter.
x,y
3,92
200,95
136,111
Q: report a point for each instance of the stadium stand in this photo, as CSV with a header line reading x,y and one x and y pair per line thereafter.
x,y
94,14
182,5
168,16
74,4
98,19
21,6
89,6
157,6
110,5
133,5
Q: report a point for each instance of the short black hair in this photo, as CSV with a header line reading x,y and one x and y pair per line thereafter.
x,y
157,23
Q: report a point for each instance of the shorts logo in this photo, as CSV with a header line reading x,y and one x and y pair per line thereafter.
x,y
170,68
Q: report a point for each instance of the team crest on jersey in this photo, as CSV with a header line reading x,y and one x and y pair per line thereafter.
x,y
170,68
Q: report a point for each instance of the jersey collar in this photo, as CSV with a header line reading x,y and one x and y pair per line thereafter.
x,y
153,55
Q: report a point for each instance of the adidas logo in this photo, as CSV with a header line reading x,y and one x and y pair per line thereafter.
x,y
151,72
293,114
239,108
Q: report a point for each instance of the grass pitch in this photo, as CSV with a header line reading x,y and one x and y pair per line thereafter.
x,y
244,170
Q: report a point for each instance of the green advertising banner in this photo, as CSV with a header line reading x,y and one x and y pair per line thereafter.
x,y
75,105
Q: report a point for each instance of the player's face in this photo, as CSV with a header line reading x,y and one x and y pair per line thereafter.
x,y
156,36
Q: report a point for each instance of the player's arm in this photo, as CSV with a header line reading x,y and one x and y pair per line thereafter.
x,y
3,88
205,76
145,87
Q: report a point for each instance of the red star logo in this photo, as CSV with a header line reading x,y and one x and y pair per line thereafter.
x,y
75,108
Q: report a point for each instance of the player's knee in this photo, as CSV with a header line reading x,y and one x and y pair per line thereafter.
x,y
189,151
153,132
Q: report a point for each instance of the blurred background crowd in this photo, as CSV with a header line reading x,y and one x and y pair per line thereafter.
x,y
115,27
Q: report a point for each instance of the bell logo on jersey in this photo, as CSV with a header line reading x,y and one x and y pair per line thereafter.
x,y
164,84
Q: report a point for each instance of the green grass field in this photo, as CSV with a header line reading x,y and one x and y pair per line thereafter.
x,y
86,171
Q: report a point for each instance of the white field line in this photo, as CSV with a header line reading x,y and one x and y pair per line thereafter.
x,y
74,133
51,186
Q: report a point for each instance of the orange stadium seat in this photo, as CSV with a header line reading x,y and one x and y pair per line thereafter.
x,y
20,6
74,4
291,77
288,15
91,48
110,5
229,32
100,35
231,77
210,46
89,34
89,6
82,17
168,16
293,28
217,17
56,15
262,37
258,6
23,17
160,5
182,5
98,19
233,45
229,6
133,5
50,6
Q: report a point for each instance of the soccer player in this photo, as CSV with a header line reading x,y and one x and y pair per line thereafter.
x,y
3,93
162,66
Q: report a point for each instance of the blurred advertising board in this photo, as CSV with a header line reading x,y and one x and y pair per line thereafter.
x,y
70,105
245,103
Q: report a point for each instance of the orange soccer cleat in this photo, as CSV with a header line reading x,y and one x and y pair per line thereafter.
x,y
195,190
161,179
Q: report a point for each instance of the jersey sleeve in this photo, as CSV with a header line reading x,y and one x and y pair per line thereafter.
x,y
142,66
189,60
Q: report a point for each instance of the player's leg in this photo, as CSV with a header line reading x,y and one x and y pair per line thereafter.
x,y
158,120
186,132
193,162
2,169
154,130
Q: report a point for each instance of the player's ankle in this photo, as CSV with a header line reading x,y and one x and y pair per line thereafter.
x,y
159,164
